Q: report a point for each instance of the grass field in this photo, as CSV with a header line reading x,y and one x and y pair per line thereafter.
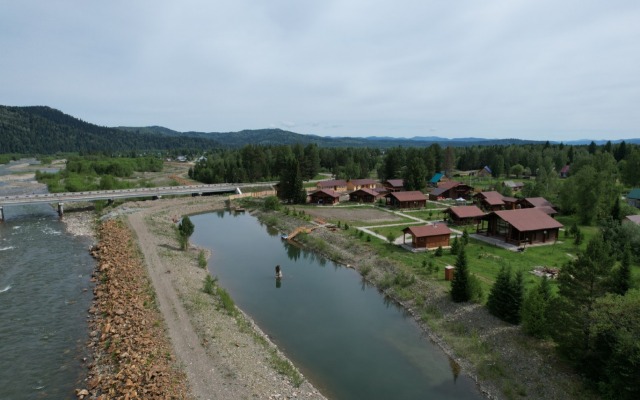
x,y
484,260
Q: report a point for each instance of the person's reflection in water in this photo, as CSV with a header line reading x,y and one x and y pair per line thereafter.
x,y
278,276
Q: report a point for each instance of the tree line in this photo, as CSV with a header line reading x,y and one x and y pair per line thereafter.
x,y
593,317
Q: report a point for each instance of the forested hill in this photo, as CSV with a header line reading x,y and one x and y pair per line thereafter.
x,y
281,137
44,130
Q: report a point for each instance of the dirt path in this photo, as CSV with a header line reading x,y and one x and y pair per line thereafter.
x,y
204,380
222,358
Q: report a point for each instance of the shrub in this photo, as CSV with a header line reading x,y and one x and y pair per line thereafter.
x,y
202,260
438,252
272,203
227,301
209,284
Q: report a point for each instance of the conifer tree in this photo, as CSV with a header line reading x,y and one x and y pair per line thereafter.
x,y
460,281
581,282
535,310
621,280
455,246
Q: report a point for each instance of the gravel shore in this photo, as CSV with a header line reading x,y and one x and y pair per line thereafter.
x,y
222,356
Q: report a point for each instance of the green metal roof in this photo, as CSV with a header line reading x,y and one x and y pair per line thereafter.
x,y
436,178
634,194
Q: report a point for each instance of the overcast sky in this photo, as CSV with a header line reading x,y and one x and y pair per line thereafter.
x,y
531,69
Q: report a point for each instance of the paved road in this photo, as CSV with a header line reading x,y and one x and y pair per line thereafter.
x,y
48,198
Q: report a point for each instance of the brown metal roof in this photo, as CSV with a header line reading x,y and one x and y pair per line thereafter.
x,y
328,192
492,198
539,202
414,195
395,182
448,185
428,230
466,211
363,181
547,210
371,192
331,183
528,219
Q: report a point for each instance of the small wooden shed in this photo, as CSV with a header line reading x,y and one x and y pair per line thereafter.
x,y
324,196
428,236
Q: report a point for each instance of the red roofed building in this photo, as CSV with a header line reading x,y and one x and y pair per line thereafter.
x,y
490,201
450,190
538,202
324,196
428,236
412,199
521,226
394,185
338,185
464,215
364,196
355,184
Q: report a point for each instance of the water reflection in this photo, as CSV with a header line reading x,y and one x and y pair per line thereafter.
x,y
351,343
455,369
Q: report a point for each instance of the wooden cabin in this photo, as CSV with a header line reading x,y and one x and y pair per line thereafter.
x,y
540,203
428,236
411,199
356,184
364,196
324,196
513,185
337,185
490,201
394,185
521,226
464,215
451,190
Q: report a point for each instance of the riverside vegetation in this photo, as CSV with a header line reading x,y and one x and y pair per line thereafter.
x,y
505,358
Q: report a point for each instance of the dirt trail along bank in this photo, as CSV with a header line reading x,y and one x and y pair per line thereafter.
x,y
219,357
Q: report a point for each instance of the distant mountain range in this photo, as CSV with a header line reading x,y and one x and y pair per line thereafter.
x,y
44,130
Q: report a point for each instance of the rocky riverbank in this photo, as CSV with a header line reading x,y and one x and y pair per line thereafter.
x,y
205,353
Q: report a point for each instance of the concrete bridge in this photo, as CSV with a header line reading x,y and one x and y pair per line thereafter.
x,y
111,195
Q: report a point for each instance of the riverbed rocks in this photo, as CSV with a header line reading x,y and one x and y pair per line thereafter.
x,y
132,357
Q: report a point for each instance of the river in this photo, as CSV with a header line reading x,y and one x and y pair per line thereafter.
x,y
348,339
45,292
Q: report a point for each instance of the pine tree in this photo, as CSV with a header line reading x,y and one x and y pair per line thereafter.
x,y
460,281
500,294
455,246
506,296
536,309
581,282
621,279
465,237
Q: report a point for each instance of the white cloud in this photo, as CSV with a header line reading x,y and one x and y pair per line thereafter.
x,y
495,68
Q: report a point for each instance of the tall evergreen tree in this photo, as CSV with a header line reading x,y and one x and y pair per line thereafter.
x,y
291,187
621,280
581,282
506,296
460,283
535,310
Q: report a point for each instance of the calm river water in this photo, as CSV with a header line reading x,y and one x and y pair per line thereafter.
x,y
43,305
342,333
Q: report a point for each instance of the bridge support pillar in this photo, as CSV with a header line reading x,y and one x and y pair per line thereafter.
x,y
1,214
61,209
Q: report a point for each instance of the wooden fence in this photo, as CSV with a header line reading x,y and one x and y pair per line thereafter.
x,y
263,193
